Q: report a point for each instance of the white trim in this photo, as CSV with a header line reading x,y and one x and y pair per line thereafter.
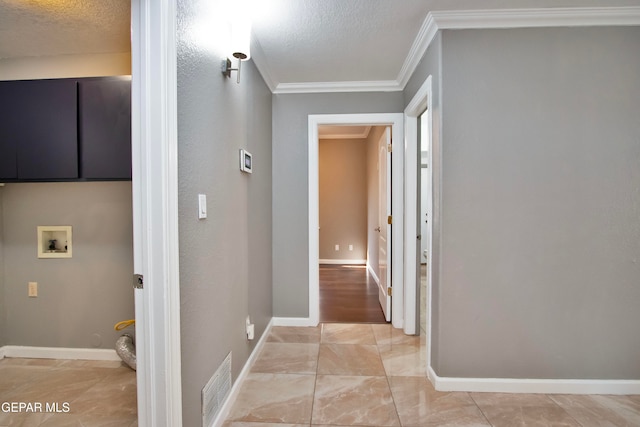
x,y
425,36
323,87
421,100
526,385
397,253
343,261
511,18
363,135
373,274
260,61
237,385
538,17
30,352
464,19
294,321
155,206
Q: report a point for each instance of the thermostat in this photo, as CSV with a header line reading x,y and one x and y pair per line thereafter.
x,y
245,161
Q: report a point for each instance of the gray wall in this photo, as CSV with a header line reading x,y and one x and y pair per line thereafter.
x,y
343,198
3,317
290,186
225,260
81,298
540,238
431,65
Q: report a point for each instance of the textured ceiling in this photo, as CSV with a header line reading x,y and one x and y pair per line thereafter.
x,y
300,41
60,27
338,40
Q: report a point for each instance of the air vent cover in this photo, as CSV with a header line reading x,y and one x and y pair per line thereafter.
x,y
215,392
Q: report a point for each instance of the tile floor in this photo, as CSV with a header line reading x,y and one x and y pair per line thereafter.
x,y
374,375
99,394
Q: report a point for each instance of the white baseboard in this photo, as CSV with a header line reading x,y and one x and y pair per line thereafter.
x,y
343,261
58,353
2,353
235,389
293,321
525,385
373,274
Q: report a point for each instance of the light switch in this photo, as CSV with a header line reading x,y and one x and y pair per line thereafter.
x,y
33,289
202,206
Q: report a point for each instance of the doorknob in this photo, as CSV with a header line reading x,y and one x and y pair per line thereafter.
x,y
377,229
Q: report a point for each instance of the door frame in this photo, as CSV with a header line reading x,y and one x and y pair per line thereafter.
x,y
155,211
420,103
395,120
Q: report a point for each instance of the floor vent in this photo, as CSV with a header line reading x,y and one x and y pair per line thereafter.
x,y
216,391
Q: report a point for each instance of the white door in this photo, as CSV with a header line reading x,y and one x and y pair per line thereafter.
x,y
384,228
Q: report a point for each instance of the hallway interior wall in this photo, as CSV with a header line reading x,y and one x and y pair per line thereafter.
x,y
3,312
540,238
343,199
82,296
290,185
225,259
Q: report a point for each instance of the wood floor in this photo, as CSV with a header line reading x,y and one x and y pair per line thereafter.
x,y
348,294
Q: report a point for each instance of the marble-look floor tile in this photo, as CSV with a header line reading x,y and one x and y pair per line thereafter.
x,y
71,420
287,358
341,333
535,410
353,400
349,359
404,360
24,361
294,334
386,335
589,412
15,376
244,424
108,399
57,385
274,398
419,404
21,419
627,407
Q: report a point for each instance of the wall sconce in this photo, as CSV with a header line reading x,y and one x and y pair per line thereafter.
x,y
240,46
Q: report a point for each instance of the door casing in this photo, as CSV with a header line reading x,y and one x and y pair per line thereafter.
x,y
395,120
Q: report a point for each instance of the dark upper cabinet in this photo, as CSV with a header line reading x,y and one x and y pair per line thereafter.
x,y
38,121
104,126
8,132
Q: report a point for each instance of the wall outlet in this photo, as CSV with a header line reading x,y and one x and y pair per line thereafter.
x,y
250,328
33,289
350,247
337,247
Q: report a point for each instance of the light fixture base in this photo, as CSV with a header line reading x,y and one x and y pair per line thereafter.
x,y
226,67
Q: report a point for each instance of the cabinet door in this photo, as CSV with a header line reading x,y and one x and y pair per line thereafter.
x,y
45,119
105,128
8,133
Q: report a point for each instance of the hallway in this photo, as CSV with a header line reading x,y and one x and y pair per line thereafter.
x,y
374,375
348,293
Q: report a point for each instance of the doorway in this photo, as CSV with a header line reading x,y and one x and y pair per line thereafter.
x,y
419,129
394,121
354,237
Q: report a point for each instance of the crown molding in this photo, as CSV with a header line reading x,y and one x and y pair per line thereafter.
x,y
458,20
260,61
327,87
511,18
362,135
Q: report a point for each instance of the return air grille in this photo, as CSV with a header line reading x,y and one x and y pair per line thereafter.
x,y
215,392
